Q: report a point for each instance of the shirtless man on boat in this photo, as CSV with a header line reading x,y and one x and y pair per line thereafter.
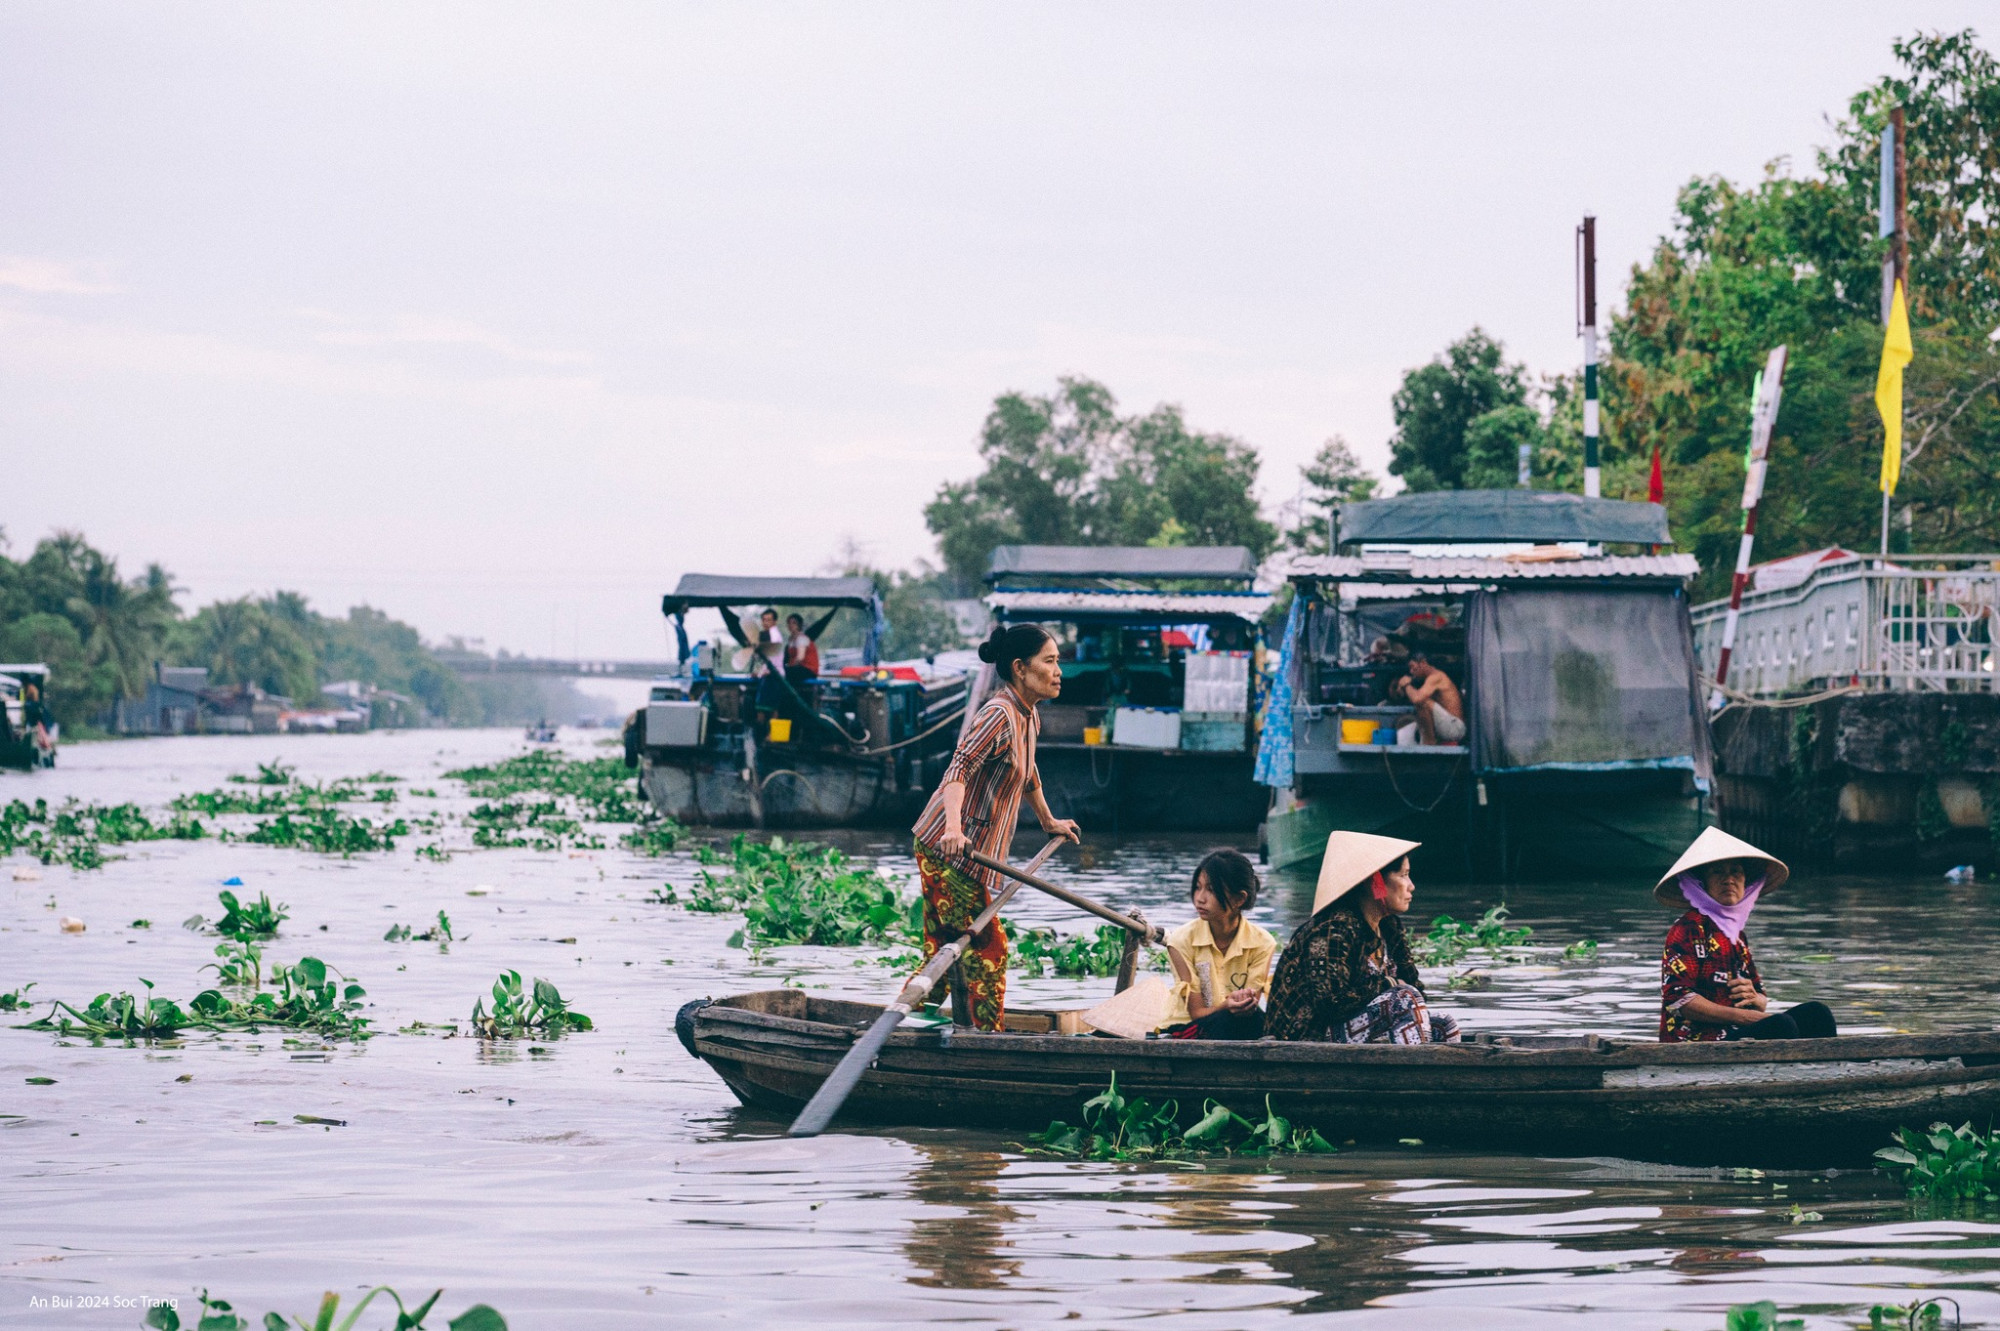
x,y
1440,708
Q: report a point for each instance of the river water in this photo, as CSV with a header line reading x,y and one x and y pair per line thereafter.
x,y
608,1180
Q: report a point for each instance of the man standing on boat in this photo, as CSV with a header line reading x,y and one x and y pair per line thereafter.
x,y
1439,706
976,808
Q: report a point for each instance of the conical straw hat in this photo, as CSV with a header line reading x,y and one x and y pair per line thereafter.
x,y
1715,844
1136,1013
1351,859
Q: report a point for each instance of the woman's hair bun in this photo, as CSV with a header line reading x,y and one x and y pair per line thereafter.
x,y
989,651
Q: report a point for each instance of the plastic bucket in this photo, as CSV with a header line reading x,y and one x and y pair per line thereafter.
x,y
1357,732
1093,734
781,730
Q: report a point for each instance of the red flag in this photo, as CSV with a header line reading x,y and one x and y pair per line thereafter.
x,y
1656,485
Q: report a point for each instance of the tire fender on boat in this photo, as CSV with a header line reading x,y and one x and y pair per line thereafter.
x,y
684,1024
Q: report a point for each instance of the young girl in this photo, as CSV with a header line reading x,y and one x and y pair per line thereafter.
x,y
1223,960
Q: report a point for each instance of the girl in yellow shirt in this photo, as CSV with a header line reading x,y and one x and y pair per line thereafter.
x,y
1223,961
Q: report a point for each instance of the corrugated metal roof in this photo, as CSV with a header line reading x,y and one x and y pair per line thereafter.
x,y
714,589
1484,516
1195,605
1386,567
1122,561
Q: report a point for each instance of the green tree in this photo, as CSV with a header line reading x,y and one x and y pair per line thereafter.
x,y
242,642
1067,469
1437,402
1797,261
1493,443
1334,477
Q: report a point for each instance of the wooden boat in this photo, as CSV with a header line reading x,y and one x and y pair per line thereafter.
x,y
863,744
1155,725
1586,748
1801,1103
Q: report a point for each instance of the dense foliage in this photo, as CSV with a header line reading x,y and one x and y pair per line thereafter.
x,y
1067,469
1120,1127
67,604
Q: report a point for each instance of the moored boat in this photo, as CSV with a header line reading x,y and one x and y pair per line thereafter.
x,y
862,742
1583,741
1803,1103
28,733
1156,724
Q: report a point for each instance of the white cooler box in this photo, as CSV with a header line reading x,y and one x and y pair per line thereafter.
x,y
676,725
1146,727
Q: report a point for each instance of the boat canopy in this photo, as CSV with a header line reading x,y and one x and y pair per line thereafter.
x,y
1129,607
716,591
1233,563
1488,517
1461,572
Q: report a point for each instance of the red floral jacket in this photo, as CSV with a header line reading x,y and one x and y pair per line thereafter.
x,y
1699,961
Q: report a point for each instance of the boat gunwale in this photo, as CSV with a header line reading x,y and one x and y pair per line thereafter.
x,y
1590,1051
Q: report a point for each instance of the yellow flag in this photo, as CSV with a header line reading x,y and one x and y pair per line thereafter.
x,y
1896,353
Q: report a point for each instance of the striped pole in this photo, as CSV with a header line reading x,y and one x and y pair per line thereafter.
x,y
1591,484
1764,398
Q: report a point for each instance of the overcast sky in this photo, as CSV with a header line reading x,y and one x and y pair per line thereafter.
x,y
501,317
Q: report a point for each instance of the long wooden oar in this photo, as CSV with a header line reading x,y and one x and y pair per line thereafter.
x,y
1151,933
833,1092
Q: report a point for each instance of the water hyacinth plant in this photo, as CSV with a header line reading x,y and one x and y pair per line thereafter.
x,y
518,1009
1946,1164
301,998
439,933
1073,956
217,1315
329,831
798,892
1448,940
75,833
1120,1127
16,1000
600,788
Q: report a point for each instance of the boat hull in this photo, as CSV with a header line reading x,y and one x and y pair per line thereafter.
x,y
1804,1104
1112,788
1599,824
804,790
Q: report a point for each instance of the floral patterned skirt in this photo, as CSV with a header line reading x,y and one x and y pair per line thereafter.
x,y
952,900
1399,1016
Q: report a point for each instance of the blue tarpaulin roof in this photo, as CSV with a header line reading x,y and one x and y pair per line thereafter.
x,y
1496,516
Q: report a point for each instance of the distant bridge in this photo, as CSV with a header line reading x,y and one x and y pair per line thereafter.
x,y
473,663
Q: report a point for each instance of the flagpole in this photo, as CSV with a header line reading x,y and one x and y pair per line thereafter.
x,y
1588,232
1764,399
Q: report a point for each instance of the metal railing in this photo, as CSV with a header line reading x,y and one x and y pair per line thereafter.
x,y
1921,623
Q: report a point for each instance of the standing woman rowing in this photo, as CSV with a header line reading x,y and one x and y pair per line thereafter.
x,y
976,807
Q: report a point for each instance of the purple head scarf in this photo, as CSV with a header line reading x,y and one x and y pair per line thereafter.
x,y
1729,919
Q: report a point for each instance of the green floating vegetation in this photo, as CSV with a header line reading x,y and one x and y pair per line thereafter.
x,y
1074,956
1120,1127
542,800
518,1009
1760,1317
217,1315
75,833
800,892
328,831
1916,1315
1946,1164
17,1000
1448,940
439,933
238,964
244,922
302,998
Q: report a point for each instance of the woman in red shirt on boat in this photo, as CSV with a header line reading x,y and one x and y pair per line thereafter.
x,y
1709,985
976,807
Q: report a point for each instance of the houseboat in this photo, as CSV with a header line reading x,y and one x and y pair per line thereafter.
x,y
724,743
28,733
1584,744
1155,726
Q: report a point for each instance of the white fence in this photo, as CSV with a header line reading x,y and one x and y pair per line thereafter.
x,y
1922,623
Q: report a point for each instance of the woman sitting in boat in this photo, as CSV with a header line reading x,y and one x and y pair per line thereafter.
x,y
1226,959
1709,985
975,808
1347,975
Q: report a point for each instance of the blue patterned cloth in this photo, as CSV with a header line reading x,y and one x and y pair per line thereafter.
x,y
1274,745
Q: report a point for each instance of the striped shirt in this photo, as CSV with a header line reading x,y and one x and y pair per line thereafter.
x,y
995,762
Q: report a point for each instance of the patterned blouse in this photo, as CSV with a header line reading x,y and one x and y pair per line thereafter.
x,y
995,761
1332,968
1698,962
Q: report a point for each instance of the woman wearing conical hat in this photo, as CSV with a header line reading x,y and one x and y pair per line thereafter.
x,y
1347,975
1709,985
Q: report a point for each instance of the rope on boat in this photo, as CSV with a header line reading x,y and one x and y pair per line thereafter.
x,y
1738,698
926,734
1443,790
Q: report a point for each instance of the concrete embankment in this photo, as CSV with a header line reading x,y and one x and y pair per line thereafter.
x,y
1866,781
